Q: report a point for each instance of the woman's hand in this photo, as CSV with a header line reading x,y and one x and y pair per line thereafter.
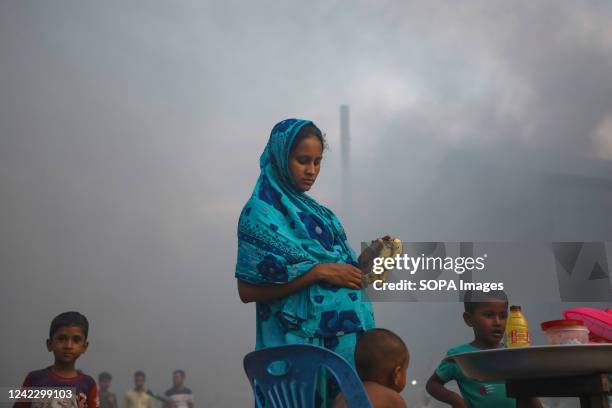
x,y
343,275
337,274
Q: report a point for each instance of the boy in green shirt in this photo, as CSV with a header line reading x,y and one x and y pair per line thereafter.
x,y
486,314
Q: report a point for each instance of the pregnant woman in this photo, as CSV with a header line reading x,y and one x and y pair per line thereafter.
x,y
294,260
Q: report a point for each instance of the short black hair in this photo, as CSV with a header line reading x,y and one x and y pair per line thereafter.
x,y
104,376
307,131
378,351
140,374
181,372
69,319
473,298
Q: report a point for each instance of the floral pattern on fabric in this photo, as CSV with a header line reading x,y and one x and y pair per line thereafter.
x,y
272,269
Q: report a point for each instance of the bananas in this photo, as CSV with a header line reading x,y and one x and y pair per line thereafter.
x,y
391,248
380,248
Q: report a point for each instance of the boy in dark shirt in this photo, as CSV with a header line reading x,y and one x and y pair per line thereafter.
x,y
67,340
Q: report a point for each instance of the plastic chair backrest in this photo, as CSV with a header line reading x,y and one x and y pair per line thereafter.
x,y
285,376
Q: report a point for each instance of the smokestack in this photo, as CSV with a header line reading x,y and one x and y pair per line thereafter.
x,y
345,145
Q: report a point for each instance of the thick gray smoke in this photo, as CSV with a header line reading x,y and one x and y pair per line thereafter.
x,y
130,134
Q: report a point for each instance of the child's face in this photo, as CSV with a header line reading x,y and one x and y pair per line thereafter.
x,y
67,344
488,321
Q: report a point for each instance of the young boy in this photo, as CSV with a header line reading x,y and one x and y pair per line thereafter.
x,y
381,360
486,314
107,398
67,340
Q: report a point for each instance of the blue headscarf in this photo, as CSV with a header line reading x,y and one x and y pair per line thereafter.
x,y
283,233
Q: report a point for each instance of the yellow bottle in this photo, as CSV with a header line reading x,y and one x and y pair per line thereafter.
x,y
517,329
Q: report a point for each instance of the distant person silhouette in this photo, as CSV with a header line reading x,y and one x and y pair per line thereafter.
x,y
108,399
179,396
138,397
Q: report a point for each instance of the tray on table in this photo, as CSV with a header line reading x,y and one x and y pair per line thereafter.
x,y
535,362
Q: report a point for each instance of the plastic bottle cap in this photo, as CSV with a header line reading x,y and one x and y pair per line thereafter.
x,y
513,307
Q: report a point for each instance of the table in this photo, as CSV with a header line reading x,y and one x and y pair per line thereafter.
x,y
545,371
591,389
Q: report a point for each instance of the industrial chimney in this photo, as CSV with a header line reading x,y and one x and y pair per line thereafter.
x,y
345,145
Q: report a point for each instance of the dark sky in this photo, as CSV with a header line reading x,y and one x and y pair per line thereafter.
x,y
130,135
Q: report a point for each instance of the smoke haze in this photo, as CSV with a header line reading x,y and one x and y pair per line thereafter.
x,y
130,135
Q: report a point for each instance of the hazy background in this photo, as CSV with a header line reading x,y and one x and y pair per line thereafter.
x,y
130,134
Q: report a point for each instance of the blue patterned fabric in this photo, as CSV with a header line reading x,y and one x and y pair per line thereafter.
x,y
283,233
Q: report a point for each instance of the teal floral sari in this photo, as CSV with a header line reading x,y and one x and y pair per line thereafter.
x,y
282,234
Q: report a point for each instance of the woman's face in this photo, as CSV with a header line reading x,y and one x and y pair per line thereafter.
x,y
305,162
